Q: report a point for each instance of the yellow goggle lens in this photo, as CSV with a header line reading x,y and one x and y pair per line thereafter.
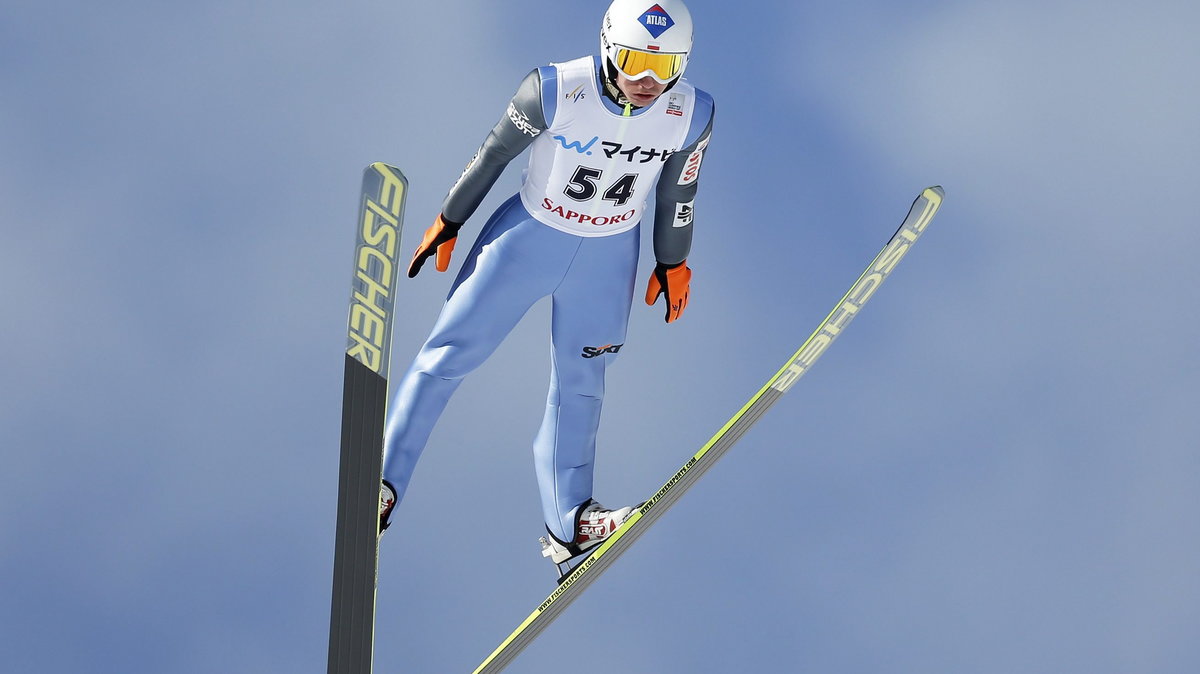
x,y
635,63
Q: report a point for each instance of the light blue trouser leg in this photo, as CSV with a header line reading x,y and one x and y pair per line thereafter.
x,y
510,266
591,309
515,262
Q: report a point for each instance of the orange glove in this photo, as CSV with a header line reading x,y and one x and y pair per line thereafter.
x,y
439,240
673,281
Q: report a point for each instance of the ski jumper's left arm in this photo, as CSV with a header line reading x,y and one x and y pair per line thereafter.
x,y
676,194
522,121
674,212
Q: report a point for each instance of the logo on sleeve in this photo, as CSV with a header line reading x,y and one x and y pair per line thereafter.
x,y
521,121
691,169
683,214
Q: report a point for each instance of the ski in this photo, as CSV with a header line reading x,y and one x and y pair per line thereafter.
x,y
364,404
589,569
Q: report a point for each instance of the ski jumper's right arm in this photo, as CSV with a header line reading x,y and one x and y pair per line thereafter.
x,y
526,117
675,212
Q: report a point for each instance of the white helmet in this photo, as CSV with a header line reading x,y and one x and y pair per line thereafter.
x,y
645,37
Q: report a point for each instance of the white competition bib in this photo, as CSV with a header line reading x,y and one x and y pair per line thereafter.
x,y
592,171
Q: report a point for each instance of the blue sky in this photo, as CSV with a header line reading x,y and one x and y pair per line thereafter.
x,y
994,470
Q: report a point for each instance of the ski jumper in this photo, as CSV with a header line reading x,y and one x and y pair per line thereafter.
x,y
571,233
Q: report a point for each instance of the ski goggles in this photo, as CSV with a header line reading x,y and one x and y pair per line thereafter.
x,y
634,63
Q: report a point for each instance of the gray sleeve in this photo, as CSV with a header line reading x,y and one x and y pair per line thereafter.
x,y
521,123
674,201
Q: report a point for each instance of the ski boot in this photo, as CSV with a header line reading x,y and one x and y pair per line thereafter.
x,y
387,501
593,525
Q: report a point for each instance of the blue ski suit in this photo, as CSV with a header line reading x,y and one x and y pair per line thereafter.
x,y
572,233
